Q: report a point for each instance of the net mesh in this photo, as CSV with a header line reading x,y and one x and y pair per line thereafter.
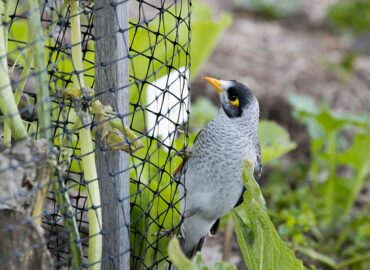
x,y
148,132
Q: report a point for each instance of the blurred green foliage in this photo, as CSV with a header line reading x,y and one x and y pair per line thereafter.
x,y
314,202
202,111
275,141
272,9
352,19
351,16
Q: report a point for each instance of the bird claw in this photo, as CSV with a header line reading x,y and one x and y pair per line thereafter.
x,y
186,154
166,233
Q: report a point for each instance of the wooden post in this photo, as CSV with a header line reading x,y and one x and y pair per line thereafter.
x,y
111,85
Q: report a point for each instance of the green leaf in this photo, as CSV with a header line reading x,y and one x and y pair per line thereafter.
x,y
258,239
341,15
177,257
307,111
330,123
275,141
181,262
357,157
223,266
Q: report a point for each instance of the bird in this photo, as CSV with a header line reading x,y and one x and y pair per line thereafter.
x,y
211,178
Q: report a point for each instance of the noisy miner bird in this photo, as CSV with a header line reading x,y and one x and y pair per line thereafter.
x,y
213,176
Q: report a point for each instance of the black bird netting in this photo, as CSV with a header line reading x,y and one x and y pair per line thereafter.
x,y
94,99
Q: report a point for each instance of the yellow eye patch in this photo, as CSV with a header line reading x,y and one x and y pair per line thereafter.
x,y
234,102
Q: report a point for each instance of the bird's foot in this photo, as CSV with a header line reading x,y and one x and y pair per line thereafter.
x,y
166,233
186,153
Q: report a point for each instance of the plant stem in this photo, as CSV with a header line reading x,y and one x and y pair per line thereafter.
x,y
45,175
357,185
87,148
5,22
316,256
70,224
228,239
76,48
354,260
24,75
93,198
332,150
8,105
7,136
36,39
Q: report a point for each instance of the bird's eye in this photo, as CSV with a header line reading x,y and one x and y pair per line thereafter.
x,y
233,100
233,97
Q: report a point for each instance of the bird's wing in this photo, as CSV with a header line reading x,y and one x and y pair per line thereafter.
x,y
257,171
258,166
256,174
215,225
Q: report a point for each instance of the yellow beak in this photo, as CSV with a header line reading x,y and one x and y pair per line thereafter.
x,y
216,83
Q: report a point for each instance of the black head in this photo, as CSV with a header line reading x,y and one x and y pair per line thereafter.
x,y
236,98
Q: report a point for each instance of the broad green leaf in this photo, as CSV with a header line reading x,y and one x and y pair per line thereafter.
x,y
223,266
356,155
342,187
329,122
177,257
275,141
261,245
181,262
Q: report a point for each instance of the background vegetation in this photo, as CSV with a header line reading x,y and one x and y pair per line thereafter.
x,y
313,207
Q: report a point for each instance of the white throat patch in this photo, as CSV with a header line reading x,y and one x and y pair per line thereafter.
x,y
226,84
